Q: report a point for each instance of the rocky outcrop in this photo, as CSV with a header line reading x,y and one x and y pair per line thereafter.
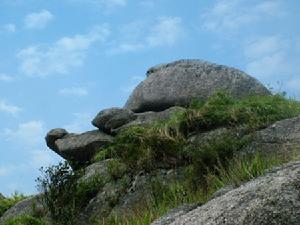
x,y
124,196
29,206
113,120
270,199
177,83
146,118
54,135
78,147
280,138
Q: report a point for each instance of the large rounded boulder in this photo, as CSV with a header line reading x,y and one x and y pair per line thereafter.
x,y
179,82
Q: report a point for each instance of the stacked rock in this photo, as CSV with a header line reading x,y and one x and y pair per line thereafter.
x,y
168,88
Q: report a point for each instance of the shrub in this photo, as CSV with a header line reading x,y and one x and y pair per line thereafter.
x,y
64,195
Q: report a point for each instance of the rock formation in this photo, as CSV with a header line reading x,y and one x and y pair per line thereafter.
x,y
177,83
271,199
167,90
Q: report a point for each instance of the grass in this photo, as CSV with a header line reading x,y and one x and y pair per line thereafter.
x,y
165,144
6,203
25,220
238,171
144,147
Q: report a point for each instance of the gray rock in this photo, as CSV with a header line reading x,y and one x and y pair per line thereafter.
x,y
200,139
101,206
98,169
175,213
81,147
144,188
179,82
147,118
268,200
2,196
282,137
112,118
27,206
53,135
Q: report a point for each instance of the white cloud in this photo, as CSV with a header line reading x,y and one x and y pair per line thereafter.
x,y
163,32
8,108
233,14
6,78
80,123
264,46
62,55
30,133
272,56
107,4
147,4
10,28
74,91
38,20
166,32
41,158
4,171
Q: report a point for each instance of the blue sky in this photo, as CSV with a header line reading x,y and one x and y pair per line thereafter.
x,y
61,61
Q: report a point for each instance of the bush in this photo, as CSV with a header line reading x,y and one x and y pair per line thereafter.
x,y
64,195
6,203
25,220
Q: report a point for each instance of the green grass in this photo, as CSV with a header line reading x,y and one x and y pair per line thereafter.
x,y
144,147
25,220
238,171
6,203
165,144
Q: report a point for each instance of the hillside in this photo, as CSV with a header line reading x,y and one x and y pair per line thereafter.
x,y
195,143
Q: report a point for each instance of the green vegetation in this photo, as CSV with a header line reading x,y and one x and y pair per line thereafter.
x,y
145,147
64,195
208,165
116,168
6,203
25,220
239,170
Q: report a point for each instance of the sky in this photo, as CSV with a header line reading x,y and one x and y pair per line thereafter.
x,y
62,61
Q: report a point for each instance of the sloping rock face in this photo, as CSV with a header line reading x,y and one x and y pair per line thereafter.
x,y
177,83
269,200
78,147
28,206
280,138
124,196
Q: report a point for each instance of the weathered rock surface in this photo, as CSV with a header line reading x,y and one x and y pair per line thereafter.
x,y
125,195
177,83
27,206
53,135
175,213
281,137
97,169
81,147
109,119
268,200
147,118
